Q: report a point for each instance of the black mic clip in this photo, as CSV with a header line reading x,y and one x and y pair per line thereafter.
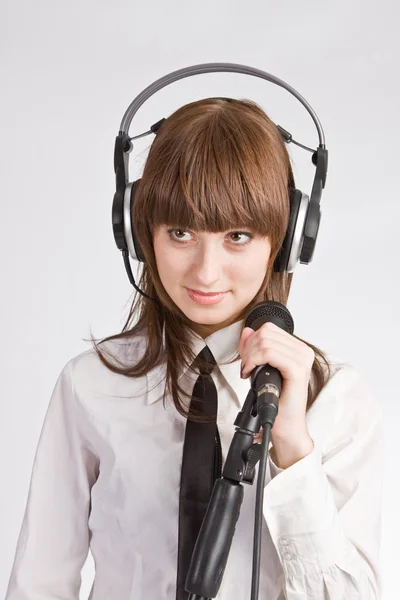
x,y
244,453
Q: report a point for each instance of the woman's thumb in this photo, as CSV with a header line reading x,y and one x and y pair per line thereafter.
x,y
246,333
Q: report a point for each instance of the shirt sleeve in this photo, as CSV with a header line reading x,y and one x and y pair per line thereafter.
x,y
324,512
53,543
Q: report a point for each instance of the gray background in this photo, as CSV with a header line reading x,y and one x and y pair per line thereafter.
x,y
70,69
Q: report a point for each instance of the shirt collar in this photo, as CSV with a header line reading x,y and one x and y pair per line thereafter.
x,y
223,343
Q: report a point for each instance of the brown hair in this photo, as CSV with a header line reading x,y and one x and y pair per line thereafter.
x,y
214,165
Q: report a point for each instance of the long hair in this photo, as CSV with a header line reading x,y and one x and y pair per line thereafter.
x,y
214,165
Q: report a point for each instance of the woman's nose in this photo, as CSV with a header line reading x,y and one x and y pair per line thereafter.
x,y
208,266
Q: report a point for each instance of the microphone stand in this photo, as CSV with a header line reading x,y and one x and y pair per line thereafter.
x,y
213,543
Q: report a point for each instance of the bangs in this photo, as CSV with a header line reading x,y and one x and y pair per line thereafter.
x,y
210,205
219,174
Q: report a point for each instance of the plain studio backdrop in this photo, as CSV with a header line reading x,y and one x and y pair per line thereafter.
x,y
70,69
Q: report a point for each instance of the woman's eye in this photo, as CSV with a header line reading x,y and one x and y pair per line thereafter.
x,y
241,233
174,231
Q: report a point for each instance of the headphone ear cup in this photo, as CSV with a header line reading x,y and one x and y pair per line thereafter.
x,y
134,246
310,233
281,262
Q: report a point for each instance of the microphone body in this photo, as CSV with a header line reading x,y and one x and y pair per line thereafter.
x,y
265,379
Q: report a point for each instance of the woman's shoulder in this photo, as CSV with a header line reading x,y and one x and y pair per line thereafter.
x,y
341,371
117,351
348,386
91,376
344,407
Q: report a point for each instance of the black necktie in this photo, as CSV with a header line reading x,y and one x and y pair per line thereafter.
x,y
201,466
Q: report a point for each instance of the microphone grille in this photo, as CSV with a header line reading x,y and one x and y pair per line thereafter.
x,y
273,311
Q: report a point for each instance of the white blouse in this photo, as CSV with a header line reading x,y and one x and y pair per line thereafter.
x,y
106,477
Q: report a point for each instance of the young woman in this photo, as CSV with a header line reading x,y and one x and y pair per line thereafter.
x,y
210,213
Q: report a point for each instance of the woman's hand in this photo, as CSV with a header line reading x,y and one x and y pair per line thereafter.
x,y
294,359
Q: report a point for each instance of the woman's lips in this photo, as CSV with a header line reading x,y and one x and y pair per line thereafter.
x,y
201,298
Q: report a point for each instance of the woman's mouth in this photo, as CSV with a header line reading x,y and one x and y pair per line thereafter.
x,y
205,298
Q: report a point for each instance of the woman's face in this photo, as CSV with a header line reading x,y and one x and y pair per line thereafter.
x,y
233,262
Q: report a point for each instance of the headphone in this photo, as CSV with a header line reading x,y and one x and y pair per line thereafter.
x,y
305,213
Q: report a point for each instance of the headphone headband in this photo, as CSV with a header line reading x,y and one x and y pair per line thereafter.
x,y
212,68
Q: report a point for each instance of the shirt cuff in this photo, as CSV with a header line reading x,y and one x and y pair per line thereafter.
x,y
302,517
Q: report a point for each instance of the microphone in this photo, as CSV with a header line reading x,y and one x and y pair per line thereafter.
x,y
265,379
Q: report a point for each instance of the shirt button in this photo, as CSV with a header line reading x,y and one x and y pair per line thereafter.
x,y
284,541
288,556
